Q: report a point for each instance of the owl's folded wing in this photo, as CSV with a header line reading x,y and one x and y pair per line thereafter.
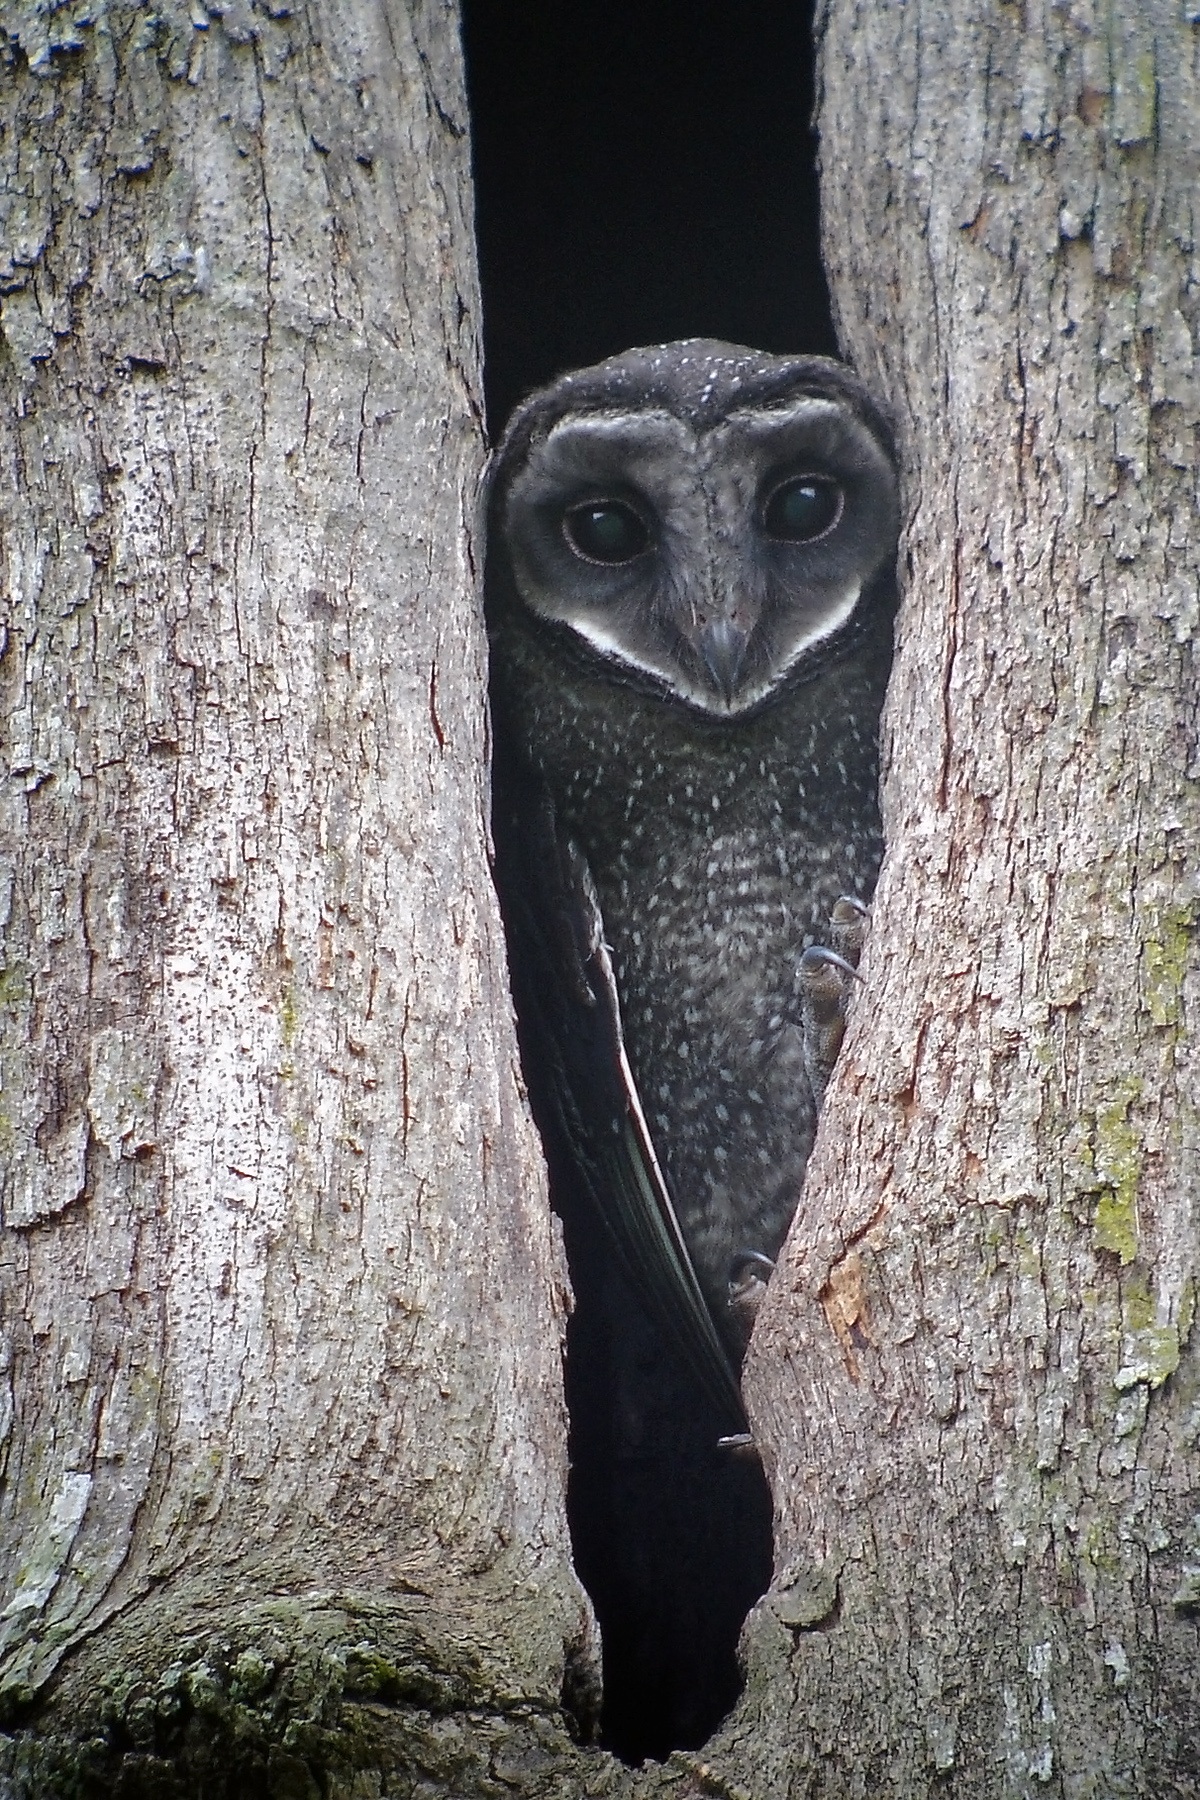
x,y
588,1084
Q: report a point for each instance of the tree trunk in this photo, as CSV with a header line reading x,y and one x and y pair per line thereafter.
x,y
283,1438
283,1433
975,1381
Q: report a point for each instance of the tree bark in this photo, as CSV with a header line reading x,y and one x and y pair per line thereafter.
x,y
283,1433
975,1380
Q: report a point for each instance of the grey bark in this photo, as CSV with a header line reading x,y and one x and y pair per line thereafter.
x,y
976,1380
283,1443
283,1437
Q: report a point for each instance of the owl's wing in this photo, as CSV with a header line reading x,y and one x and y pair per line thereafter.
x,y
643,1220
570,987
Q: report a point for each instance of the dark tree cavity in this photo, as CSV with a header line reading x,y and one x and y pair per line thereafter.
x,y
643,174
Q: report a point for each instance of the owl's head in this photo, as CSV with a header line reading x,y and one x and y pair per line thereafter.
x,y
702,517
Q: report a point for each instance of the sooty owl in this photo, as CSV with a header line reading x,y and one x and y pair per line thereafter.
x,y
691,589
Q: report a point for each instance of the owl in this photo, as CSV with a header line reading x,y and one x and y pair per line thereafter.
x,y
691,586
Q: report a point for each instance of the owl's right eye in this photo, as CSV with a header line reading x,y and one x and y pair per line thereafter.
x,y
605,531
801,511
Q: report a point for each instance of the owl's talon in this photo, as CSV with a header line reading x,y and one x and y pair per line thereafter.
x,y
741,1445
848,927
825,978
748,1259
819,957
749,1274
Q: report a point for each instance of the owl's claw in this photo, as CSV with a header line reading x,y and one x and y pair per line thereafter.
x,y
749,1274
825,978
848,927
741,1445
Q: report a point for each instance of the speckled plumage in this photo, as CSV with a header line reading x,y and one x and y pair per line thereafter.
x,y
718,834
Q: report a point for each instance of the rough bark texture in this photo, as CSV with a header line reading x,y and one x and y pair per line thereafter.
x,y
282,1437
282,1426
976,1380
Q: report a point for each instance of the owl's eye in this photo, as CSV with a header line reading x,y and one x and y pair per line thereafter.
x,y
803,510
605,531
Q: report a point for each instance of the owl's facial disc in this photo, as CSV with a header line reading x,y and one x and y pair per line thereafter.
x,y
712,560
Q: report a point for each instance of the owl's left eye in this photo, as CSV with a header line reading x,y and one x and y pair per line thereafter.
x,y
804,509
605,531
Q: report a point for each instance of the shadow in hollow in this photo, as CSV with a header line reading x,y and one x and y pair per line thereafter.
x,y
672,1535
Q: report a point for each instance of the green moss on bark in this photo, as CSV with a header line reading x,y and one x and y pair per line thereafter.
x,y
340,1701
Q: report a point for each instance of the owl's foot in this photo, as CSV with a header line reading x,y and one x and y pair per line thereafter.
x,y
749,1274
826,981
741,1445
848,928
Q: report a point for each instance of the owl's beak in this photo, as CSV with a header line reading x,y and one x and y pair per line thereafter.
x,y
723,646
